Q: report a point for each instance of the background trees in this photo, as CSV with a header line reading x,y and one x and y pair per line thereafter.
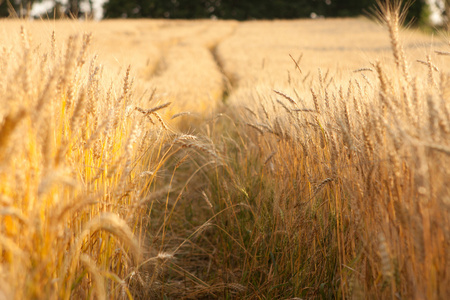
x,y
223,9
233,9
22,8
240,10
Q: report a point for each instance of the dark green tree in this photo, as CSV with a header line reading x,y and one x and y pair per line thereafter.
x,y
19,8
345,8
225,9
245,9
4,12
417,11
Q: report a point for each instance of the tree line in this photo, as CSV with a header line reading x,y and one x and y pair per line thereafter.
x,y
240,10
22,8
222,9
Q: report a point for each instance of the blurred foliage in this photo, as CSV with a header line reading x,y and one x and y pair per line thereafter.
x,y
245,10
224,9
22,8
19,7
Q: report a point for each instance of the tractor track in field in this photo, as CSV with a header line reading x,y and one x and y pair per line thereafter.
x,y
181,60
229,82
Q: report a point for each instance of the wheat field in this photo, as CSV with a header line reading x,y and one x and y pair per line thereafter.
x,y
156,159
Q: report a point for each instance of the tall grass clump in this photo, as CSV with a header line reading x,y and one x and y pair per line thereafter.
x,y
341,194
78,161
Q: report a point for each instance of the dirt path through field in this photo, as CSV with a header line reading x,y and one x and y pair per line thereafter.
x,y
188,73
